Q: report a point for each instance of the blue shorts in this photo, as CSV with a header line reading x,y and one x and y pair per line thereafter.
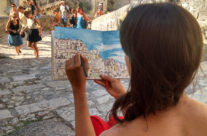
x,y
64,20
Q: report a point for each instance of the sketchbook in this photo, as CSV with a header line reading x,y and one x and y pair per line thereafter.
x,y
101,48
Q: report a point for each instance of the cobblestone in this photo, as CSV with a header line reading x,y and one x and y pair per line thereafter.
x,y
4,92
43,105
103,99
51,127
5,114
27,88
14,121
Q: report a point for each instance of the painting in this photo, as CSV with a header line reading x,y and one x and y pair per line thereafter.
x,y
101,48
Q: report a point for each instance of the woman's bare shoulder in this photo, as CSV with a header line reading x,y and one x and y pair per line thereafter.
x,y
196,117
199,109
114,131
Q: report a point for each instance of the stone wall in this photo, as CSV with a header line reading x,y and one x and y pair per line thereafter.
x,y
110,21
3,23
3,7
113,20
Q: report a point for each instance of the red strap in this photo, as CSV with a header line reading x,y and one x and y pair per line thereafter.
x,y
100,125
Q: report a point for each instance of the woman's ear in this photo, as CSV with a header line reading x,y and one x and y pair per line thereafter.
x,y
128,64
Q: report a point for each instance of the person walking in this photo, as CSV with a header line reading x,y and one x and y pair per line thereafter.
x,y
14,10
65,13
22,19
13,28
34,32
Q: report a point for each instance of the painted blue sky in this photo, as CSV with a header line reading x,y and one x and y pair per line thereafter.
x,y
107,42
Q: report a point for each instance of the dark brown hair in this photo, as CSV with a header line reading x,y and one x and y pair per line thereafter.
x,y
27,12
164,44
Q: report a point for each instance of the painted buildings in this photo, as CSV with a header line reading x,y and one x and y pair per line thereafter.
x,y
65,49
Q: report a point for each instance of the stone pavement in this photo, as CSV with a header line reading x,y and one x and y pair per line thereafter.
x,y
34,105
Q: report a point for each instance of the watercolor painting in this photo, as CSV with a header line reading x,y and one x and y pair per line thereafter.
x,y
101,48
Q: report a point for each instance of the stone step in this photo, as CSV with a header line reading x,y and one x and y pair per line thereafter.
x,y
42,106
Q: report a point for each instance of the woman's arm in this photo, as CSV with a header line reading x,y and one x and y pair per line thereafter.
x,y
8,30
95,15
39,26
37,22
39,9
59,18
26,27
40,31
20,27
8,27
75,74
113,86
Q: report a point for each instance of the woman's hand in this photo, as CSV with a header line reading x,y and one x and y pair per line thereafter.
x,y
14,31
113,86
75,72
21,32
40,33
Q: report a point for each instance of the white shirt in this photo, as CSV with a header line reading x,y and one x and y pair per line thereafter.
x,y
63,10
31,24
23,19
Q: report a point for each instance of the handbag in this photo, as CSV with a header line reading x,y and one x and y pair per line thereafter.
x,y
23,35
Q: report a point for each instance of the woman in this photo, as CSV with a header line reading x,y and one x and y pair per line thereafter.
x,y
22,19
82,20
14,10
100,11
56,19
13,27
34,32
73,19
37,9
163,46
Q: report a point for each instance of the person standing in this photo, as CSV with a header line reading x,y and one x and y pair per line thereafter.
x,y
13,28
31,7
82,20
100,11
56,19
37,9
65,11
73,19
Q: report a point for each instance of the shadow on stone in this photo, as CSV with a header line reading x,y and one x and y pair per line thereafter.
x,y
51,127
